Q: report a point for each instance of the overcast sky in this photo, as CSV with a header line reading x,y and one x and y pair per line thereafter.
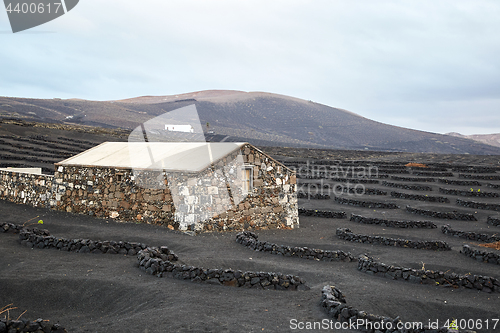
x,y
429,65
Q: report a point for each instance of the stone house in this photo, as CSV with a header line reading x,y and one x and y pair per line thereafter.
x,y
194,186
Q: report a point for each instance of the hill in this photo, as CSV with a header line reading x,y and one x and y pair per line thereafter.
x,y
257,117
489,139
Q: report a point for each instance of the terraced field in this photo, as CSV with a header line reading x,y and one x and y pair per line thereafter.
x,y
378,240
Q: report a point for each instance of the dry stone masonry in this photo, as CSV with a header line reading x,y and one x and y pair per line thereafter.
x,y
485,283
483,256
474,236
419,197
250,240
23,325
478,205
346,234
442,215
469,193
336,307
151,261
322,213
493,221
459,182
393,223
407,187
365,204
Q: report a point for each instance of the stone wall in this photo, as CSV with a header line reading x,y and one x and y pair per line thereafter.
x,y
26,188
420,276
346,234
481,177
151,262
366,204
23,325
419,197
474,236
322,213
470,193
442,215
460,182
393,223
478,205
336,307
407,187
493,221
484,256
250,240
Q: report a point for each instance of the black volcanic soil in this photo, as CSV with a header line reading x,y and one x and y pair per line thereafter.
x,y
109,293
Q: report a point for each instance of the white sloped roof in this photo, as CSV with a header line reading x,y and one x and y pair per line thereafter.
x,y
169,156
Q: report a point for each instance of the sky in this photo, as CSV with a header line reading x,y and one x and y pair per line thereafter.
x,y
426,64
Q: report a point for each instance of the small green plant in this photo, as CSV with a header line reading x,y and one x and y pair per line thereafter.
x,y
453,325
39,221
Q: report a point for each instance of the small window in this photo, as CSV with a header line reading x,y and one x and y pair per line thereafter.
x,y
247,179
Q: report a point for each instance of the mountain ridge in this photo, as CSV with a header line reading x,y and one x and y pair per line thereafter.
x,y
257,117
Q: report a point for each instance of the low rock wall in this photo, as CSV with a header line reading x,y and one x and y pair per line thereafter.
x,y
420,276
493,221
484,256
460,182
478,205
393,223
336,306
23,326
317,196
151,262
433,174
346,234
469,193
496,186
32,240
366,204
407,187
469,235
442,215
250,240
419,197
322,213
413,179
16,228
476,169
473,176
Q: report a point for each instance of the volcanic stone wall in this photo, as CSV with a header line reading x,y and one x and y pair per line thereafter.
x,y
393,223
250,240
484,256
366,204
493,221
26,188
346,234
478,205
469,193
442,215
420,276
407,187
151,262
446,229
419,197
322,213
336,306
23,326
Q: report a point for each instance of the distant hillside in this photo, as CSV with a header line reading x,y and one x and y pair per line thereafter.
x,y
489,139
260,118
